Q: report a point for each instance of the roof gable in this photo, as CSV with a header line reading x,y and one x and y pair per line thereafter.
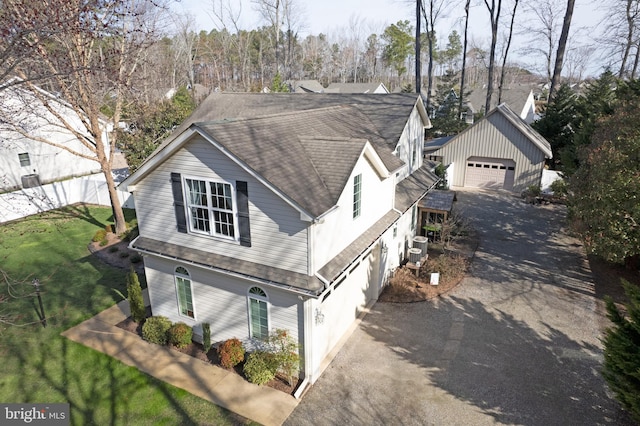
x,y
518,123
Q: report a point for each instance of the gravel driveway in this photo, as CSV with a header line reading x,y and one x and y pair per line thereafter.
x,y
517,342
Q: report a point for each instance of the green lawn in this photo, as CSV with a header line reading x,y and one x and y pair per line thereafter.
x,y
38,365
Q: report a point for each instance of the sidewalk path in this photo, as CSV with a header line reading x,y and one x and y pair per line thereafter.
x,y
261,404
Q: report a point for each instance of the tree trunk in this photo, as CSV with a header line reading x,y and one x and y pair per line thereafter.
x,y
506,52
562,44
418,58
494,12
629,40
464,55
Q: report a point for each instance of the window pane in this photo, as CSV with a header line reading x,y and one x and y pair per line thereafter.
x,y
259,322
197,192
185,300
24,159
223,223
357,194
221,196
200,219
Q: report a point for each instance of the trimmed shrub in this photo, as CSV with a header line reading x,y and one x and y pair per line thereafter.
x,y
155,330
206,336
134,295
231,353
100,235
180,334
260,367
108,228
136,258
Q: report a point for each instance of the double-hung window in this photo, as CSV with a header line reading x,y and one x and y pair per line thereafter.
x,y
211,207
184,292
357,195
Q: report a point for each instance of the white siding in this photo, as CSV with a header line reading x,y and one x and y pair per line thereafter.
x,y
220,300
339,228
410,144
278,236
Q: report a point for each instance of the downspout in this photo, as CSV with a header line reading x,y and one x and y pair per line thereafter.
x,y
307,348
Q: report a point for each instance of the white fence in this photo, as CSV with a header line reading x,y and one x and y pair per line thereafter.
x,y
90,189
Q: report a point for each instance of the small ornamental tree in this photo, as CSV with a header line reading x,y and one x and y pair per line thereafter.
x,y
134,294
622,351
286,353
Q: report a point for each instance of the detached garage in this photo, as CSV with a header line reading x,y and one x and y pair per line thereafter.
x,y
500,151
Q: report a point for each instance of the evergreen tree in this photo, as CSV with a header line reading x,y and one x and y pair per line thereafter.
x,y
622,351
134,294
559,122
447,119
150,124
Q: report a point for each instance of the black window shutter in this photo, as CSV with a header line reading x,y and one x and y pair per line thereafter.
x,y
242,195
178,202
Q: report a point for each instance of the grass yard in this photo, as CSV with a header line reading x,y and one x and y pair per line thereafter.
x,y
39,365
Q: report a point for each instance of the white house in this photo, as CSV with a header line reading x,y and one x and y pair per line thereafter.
x,y
27,161
267,211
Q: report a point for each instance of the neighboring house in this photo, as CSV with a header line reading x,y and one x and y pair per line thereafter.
x,y
500,151
281,211
29,161
378,88
305,86
520,99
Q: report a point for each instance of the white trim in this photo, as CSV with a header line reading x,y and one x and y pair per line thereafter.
x,y
212,232
259,298
176,275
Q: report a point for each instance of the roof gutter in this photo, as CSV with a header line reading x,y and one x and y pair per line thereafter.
x,y
268,283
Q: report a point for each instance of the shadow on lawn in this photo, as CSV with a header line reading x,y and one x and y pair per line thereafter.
x,y
99,389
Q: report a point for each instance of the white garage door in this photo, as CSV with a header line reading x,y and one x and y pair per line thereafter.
x,y
492,173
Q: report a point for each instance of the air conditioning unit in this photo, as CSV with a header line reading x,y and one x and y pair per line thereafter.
x,y
421,243
30,181
415,254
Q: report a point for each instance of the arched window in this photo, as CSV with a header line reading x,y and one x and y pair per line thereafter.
x,y
258,313
184,292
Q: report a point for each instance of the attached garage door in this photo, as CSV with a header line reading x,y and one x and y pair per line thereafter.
x,y
492,173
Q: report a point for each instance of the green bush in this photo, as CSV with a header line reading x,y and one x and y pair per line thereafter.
x,y
559,188
134,295
155,330
136,258
206,336
100,235
231,353
260,367
180,334
286,354
622,351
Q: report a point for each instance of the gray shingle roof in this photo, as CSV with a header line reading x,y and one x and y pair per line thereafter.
x,y
307,155
439,200
346,257
268,274
353,87
414,187
388,113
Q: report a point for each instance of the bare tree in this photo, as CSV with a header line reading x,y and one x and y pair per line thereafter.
x,y
91,60
562,44
432,12
544,30
506,52
464,55
494,7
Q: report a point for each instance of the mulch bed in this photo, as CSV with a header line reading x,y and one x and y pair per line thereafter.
x,y
196,350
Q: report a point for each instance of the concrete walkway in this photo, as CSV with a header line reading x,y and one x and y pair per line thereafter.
x,y
261,404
